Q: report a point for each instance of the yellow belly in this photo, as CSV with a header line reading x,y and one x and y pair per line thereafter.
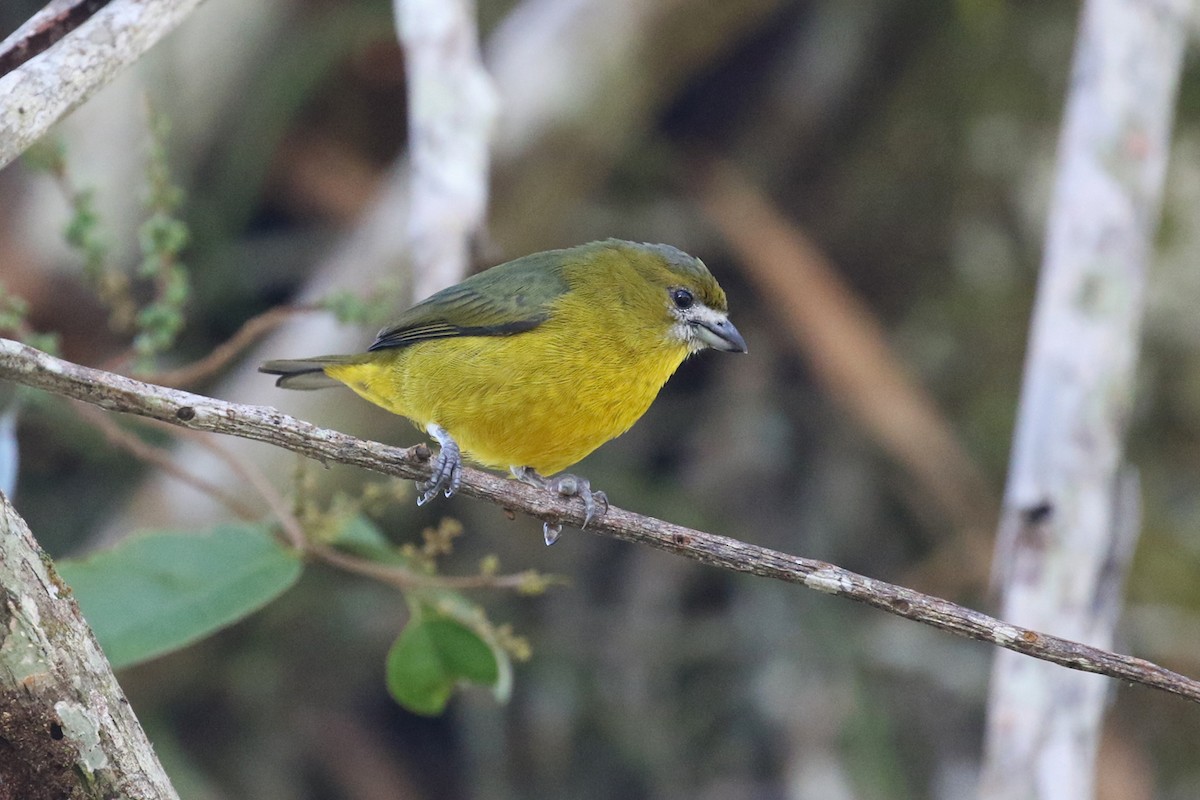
x,y
542,399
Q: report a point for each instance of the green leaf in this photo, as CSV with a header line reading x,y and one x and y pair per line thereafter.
x,y
431,657
158,592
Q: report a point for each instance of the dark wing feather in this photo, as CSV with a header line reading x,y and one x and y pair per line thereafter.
x,y
512,298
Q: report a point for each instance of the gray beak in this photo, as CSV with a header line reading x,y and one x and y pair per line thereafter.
x,y
719,334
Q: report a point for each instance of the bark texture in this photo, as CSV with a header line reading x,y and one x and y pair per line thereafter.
x,y
1070,514
66,729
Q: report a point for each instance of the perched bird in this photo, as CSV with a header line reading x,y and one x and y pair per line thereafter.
x,y
535,363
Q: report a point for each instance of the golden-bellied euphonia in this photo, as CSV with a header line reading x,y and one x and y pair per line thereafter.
x,y
535,363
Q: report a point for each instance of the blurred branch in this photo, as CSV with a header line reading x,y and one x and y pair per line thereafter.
x,y
845,347
452,109
161,458
1070,516
67,729
402,578
54,21
251,331
45,89
316,174
391,574
25,365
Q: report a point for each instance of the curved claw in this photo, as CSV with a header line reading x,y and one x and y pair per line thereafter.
x,y
589,505
447,468
595,502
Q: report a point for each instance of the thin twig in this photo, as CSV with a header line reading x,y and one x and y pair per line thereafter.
x,y
198,371
403,578
291,526
139,448
845,345
26,365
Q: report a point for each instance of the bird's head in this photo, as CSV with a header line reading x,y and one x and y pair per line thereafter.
x,y
680,291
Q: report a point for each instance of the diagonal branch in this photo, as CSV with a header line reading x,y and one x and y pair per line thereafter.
x,y
45,89
23,364
43,29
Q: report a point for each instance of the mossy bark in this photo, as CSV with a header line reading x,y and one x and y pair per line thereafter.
x,y
66,729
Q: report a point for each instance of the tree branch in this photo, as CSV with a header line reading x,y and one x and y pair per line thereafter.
x,y
31,367
43,29
45,89
251,331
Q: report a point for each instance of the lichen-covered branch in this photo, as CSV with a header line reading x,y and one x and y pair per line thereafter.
x,y
31,367
46,88
66,729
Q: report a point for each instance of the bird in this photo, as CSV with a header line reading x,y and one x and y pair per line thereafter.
x,y
533,364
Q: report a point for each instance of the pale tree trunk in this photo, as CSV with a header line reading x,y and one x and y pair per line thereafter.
x,y
1070,511
452,107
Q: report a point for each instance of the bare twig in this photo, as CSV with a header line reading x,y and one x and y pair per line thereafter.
x,y
254,478
26,365
161,458
293,530
393,575
846,347
42,91
403,578
251,330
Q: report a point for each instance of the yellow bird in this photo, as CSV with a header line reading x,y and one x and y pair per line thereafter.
x,y
535,363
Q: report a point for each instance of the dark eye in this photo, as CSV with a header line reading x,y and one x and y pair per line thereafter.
x,y
682,298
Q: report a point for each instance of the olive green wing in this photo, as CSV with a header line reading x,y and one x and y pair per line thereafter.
x,y
512,298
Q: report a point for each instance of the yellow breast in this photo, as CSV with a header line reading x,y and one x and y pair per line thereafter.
x,y
544,398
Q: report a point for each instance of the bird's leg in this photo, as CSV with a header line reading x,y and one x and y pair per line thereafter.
x,y
595,502
447,467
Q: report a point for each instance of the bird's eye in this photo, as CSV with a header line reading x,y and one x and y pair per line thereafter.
x,y
682,298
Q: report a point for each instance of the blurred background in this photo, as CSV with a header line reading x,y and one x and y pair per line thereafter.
x,y
869,183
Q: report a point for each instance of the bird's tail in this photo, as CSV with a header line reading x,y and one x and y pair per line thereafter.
x,y
305,373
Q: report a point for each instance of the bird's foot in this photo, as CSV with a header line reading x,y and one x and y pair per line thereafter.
x,y
595,502
447,467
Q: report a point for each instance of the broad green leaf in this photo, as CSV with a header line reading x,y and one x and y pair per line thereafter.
x,y
158,592
431,657
453,605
